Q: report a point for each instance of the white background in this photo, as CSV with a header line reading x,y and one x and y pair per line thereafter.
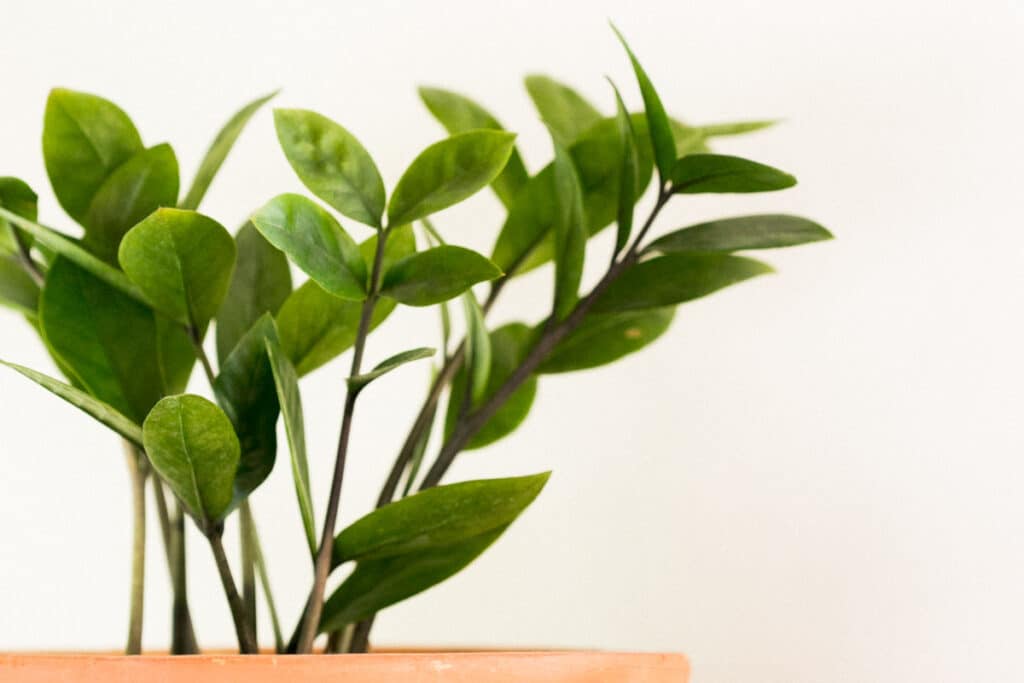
x,y
815,476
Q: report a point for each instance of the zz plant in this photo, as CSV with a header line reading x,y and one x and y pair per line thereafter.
x,y
124,311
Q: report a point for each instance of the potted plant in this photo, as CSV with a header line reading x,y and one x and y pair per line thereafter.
x,y
125,311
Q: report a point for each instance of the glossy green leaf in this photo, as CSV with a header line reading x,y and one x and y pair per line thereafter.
x,y
769,231
509,345
315,242
193,447
437,517
93,407
659,126
675,278
435,275
570,234
85,138
135,189
218,152
604,338
564,111
261,282
359,382
459,114
478,349
290,401
15,196
698,173
246,390
332,163
627,174
448,172
376,584
182,261
18,291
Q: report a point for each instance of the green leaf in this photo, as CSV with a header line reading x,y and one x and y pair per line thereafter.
x,y
435,275
315,242
95,408
448,172
137,188
509,345
332,163
18,290
564,111
182,261
290,401
662,139
246,390
627,174
193,447
604,338
742,233
570,234
315,326
459,114
260,284
698,173
218,152
675,278
478,349
359,382
16,196
85,138
376,584
437,517
734,128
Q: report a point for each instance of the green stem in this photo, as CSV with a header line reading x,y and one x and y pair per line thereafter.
x,y
268,594
172,530
138,471
245,530
246,643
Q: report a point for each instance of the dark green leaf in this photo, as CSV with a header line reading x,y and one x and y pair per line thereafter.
x,y
435,275
15,196
570,234
315,242
359,382
96,409
261,282
18,290
509,346
676,278
565,112
182,261
448,172
697,173
627,174
478,349
193,447
662,139
742,233
332,163
459,114
218,152
290,402
136,188
85,138
604,338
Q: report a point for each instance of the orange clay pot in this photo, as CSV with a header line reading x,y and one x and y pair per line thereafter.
x,y
417,667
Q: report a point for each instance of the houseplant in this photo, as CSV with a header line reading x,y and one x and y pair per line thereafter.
x,y
125,310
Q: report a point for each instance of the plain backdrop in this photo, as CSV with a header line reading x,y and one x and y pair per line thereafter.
x,y
814,476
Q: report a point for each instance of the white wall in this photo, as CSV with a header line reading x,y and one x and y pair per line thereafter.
x,y
813,477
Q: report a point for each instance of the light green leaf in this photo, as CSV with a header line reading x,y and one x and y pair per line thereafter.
x,y
85,138
478,349
93,407
315,242
570,234
135,189
604,338
742,233
218,152
459,114
359,382
435,275
18,291
563,110
627,173
182,261
261,282
290,401
191,444
448,172
675,278
16,196
662,139
698,173
734,128
332,163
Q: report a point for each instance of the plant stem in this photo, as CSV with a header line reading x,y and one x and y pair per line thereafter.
x,y
322,566
246,643
245,532
25,257
183,637
204,360
138,471
360,643
261,570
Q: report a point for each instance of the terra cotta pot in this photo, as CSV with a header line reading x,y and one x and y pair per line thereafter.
x,y
418,667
